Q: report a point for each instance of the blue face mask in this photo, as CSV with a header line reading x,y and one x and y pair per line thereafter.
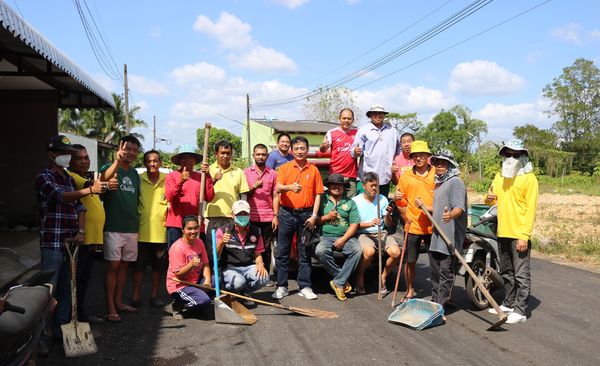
x,y
243,221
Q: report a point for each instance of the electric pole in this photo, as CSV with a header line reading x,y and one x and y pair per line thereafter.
x,y
126,101
154,135
248,127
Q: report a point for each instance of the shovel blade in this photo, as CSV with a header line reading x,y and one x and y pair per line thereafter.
x,y
78,339
231,311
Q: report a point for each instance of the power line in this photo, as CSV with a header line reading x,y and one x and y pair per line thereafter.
x,y
422,38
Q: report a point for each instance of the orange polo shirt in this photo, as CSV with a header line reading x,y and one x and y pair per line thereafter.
x,y
308,177
413,186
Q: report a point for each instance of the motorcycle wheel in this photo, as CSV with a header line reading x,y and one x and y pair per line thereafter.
x,y
475,296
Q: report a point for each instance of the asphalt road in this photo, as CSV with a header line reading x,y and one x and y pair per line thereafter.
x,y
563,329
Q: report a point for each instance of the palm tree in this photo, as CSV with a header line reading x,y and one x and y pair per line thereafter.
x,y
69,120
102,122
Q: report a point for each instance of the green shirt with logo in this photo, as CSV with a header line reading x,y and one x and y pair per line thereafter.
x,y
121,205
347,214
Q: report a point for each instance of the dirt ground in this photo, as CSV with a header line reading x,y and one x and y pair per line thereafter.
x,y
566,221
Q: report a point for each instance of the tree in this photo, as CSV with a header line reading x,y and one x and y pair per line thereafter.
x,y
534,136
575,100
216,135
327,104
443,132
404,122
69,120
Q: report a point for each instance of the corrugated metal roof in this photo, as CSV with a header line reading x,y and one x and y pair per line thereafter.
x,y
22,30
298,126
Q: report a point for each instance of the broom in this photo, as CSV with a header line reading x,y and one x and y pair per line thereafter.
x,y
316,313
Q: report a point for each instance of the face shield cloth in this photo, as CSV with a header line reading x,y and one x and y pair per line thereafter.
x,y
510,167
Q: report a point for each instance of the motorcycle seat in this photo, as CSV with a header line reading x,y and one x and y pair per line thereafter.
x,y
35,301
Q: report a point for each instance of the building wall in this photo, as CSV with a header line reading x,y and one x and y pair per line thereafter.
x,y
268,136
28,120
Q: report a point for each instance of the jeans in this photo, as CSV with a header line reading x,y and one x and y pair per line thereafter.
x,y
514,269
61,281
290,224
351,250
243,279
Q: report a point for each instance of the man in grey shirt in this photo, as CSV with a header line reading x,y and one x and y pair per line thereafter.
x,y
376,143
450,211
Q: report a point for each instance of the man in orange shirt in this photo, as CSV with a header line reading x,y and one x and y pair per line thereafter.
x,y
417,183
300,185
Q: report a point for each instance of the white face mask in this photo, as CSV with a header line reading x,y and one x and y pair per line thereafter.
x,y
510,167
62,160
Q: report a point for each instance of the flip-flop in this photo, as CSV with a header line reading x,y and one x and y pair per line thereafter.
x,y
113,318
127,309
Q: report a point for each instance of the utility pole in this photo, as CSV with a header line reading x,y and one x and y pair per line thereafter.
x,y
154,135
126,101
479,155
248,127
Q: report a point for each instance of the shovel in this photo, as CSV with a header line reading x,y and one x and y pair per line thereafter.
x,y
464,263
77,336
227,309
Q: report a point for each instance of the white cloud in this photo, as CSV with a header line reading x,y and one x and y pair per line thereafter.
x,y
292,4
141,85
569,33
229,30
263,59
480,77
200,72
595,34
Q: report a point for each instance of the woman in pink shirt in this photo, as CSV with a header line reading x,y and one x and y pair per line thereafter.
x,y
188,261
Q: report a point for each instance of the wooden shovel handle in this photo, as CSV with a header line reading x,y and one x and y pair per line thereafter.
x,y
204,161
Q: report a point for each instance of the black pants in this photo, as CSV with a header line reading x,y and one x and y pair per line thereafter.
x,y
515,271
266,231
85,260
442,276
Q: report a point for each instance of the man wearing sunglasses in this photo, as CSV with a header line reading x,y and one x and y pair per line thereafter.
x,y
515,189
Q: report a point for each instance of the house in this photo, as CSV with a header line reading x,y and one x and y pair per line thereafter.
x,y
36,79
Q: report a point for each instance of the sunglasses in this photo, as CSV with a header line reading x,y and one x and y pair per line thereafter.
x,y
514,155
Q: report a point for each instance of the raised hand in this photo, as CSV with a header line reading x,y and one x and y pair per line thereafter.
x,y
204,168
357,151
98,187
325,144
185,175
122,153
218,175
258,184
332,215
446,217
113,183
226,237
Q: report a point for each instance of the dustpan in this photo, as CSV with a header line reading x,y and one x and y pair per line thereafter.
x,y
418,314
227,309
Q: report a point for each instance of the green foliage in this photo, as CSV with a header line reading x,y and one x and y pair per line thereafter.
x,y
574,183
443,133
216,135
575,100
327,104
165,158
404,122
534,136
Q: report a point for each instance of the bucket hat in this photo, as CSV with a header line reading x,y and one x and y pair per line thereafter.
x,y
335,179
186,149
377,108
514,144
419,146
444,155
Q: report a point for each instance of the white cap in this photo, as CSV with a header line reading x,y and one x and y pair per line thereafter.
x,y
240,206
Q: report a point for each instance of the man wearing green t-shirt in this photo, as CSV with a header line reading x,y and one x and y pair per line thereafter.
x,y
122,224
339,218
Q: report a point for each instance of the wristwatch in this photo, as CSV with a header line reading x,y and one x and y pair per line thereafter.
x,y
81,231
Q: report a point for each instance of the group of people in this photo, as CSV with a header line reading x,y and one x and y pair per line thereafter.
x,y
157,219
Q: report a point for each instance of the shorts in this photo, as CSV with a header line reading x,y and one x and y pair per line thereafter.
x,y
370,240
413,244
120,246
149,253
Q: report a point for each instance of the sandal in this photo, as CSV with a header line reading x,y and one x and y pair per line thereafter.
x,y
127,309
360,291
347,288
113,318
339,292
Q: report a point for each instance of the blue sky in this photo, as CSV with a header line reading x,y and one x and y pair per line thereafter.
x,y
189,61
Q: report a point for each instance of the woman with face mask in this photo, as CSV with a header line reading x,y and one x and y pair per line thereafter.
x,y
239,246
515,189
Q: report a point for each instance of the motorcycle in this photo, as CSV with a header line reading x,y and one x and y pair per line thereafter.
x,y
23,313
481,252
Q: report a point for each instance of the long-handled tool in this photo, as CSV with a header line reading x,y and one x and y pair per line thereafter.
x,y
316,313
478,282
380,256
227,310
202,204
406,226
77,336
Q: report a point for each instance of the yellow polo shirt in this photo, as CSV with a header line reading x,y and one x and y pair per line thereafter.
x,y
227,190
517,205
94,216
153,210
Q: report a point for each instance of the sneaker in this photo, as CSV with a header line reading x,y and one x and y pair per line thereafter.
x,y
307,293
280,293
514,318
339,292
270,284
177,310
505,309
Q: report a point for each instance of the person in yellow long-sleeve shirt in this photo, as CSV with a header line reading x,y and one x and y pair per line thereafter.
x,y
515,189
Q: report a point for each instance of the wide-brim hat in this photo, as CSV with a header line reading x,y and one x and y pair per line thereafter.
x,y
444,155
60,142
377,108
514,144
186,149
419,146
335,179
240,206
